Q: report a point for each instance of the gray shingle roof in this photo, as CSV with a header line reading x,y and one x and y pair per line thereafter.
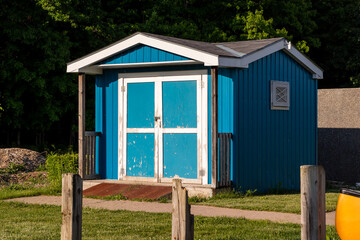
x,y
244,47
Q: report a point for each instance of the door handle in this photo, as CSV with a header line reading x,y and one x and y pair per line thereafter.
x,y
156,118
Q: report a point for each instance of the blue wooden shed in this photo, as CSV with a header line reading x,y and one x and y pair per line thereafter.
x,y
214,114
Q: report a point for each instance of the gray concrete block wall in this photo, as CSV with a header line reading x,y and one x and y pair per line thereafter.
x,y
339,133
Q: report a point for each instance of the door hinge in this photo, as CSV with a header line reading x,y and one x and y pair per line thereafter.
x,y
202,84
123,88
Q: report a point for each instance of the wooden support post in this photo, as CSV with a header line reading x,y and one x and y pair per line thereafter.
x,y
214,126
313,226
182,220
71,206
82,125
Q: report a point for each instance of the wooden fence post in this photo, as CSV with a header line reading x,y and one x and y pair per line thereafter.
x,y
182,220
313,226
71,206
81,96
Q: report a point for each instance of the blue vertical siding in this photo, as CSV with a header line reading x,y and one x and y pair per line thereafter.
x,y
226,103
142,53
270,145
106,122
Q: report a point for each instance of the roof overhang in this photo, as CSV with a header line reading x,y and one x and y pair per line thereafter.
x,y
87,64
282,44
81,64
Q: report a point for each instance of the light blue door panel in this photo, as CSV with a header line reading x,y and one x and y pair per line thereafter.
x,y
179,104
140,105
140,155
180,155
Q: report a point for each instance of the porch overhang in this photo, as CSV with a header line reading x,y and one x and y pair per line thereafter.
x,y
210,55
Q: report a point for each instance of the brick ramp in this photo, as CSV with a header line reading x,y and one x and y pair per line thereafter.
x,y
130,191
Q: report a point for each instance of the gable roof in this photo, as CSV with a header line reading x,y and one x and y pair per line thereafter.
x,y
227,54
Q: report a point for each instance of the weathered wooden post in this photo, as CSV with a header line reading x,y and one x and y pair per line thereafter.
x,y
71,206
182,220
214,126
81,123
313,226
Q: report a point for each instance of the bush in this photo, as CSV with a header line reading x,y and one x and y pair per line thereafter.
x,y
57,164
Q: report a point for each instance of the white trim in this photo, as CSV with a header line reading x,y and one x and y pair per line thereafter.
x,y
179,75
207,58
239,60
184,180
140,130
121,168
180,130
204,131
147,64
306,62
139,179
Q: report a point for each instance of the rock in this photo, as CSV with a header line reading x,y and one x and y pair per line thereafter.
x,y
30,159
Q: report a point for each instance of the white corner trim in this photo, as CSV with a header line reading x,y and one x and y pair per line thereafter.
x,y
207,58
303,60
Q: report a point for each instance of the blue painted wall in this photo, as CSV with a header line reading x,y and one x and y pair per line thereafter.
x,y
106,122
142,53
270,145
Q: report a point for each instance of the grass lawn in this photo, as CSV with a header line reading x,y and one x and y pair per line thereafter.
x,y
15,191
23,221
289,203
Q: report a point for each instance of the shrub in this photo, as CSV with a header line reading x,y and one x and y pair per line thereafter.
x,y
57,164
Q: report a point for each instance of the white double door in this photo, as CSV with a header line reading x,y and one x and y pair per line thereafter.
x,y
163,126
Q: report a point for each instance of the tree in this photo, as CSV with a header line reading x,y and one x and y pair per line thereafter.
x,y
339,34
35,91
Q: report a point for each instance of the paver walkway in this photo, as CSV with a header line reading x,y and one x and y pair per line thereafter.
x,y
155,207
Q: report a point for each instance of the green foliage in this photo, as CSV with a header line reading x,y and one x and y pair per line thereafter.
x,y
57,164
339,33
35,90
13,168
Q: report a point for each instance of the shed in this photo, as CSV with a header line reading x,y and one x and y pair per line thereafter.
x,y
241,114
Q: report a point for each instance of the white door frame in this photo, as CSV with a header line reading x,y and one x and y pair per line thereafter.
x,y
202,122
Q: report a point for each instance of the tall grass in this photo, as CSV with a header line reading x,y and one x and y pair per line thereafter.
x,y
57,164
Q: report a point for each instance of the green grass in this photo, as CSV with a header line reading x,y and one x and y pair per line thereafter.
x,y
17,190
23,221
289,203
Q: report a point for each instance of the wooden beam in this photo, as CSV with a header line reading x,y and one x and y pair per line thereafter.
x,y
313,225
214,126
182,219
71,206
82,125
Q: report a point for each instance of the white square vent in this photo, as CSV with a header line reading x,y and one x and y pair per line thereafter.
x,y
280,95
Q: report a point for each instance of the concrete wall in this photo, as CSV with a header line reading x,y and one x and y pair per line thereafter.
x,y
339,133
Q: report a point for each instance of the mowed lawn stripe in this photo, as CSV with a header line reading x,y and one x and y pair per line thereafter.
x,y
24,221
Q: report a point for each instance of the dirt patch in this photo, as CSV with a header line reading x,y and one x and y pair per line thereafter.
x,y
30,160
36,179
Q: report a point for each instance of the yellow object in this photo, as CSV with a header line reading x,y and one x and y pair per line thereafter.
x,y
347,218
